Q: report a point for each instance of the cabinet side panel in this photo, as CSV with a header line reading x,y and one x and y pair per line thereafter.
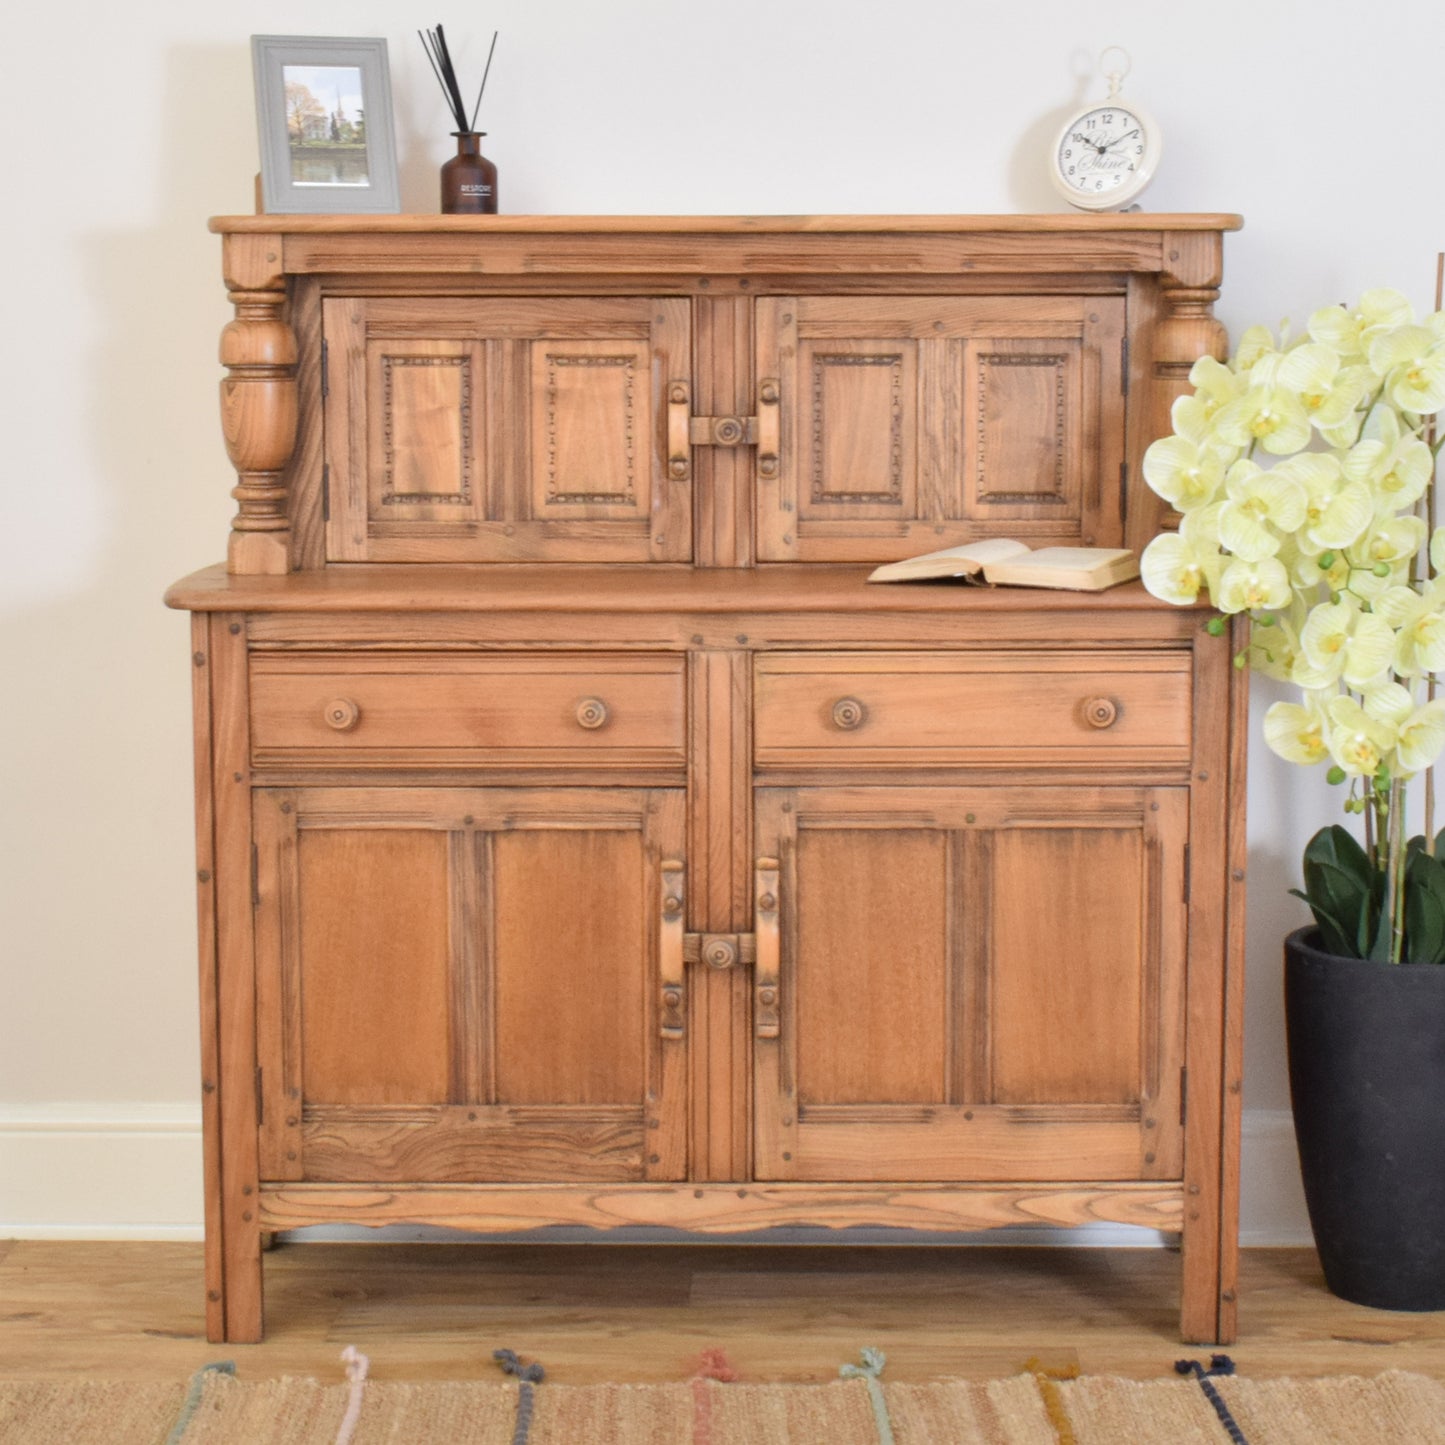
x,y
1067,968
375,970
570,967
871,967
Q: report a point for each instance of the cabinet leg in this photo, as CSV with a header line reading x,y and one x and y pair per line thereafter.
x,y
244,1320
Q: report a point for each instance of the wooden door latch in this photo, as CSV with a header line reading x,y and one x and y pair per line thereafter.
x,y
685,431
720,951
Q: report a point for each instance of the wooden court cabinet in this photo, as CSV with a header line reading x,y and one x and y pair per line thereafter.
x,y
582,841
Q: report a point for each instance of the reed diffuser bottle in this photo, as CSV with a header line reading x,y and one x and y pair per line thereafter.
x,y
469,179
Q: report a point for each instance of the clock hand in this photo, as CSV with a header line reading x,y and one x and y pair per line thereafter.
x,y
1118,138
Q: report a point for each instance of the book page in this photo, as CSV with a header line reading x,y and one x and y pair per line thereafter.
x,y
964,561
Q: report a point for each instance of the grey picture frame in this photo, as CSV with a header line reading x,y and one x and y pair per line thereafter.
x,y
332,153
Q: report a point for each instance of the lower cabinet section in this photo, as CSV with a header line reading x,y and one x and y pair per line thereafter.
x,y
466,984
717,938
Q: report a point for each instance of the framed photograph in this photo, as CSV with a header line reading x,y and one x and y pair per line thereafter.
x,y
323,109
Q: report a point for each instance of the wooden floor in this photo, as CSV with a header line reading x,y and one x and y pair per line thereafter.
x,y
634,1312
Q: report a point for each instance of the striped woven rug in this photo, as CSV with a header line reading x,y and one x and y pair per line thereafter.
x,y
1210,1406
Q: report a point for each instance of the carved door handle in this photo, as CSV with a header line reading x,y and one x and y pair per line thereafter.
x,y
770,426
679,410
767,994
671,927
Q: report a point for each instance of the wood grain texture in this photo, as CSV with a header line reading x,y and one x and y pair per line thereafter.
x,y
722,1209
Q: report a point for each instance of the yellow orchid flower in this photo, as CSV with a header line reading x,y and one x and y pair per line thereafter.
x,y
1246,586
1271,416
1256,358
1329,392
1174,569
1396,465
1357,742
1349,332
1421,737
1258,502
1186,474
1215,385
1297,731
1339,641
1395,541
1337,511
1418,620
1412,361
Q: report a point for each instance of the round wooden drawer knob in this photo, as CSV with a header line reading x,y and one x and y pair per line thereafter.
x,y
591,712
849,713
1101,712
342,714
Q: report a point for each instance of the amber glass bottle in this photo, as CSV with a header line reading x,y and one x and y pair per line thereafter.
x,y
469,179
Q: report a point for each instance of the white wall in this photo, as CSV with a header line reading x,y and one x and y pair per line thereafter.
x,y
1322,124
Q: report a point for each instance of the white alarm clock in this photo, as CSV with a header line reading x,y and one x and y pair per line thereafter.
x,y
1108,151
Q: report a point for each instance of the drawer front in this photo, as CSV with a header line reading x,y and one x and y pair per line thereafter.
x,y
440,710
982,708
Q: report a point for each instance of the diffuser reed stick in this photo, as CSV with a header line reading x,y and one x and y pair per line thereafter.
x,y
434,42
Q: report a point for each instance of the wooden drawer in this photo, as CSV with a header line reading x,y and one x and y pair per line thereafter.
x,y
440,710
918,709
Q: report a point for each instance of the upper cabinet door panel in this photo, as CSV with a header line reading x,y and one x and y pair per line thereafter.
x,y
504,429
914,423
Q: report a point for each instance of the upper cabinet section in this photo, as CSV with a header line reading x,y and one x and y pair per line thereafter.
x,y
504,429
910,423
720,391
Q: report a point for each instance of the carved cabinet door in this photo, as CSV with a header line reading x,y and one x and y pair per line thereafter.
x,y
471,429
971,983
468,984
910,423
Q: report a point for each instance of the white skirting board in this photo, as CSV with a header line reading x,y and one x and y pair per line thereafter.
x,y
77,1171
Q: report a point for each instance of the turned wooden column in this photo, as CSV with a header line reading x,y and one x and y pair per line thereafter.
x,y
258,404
1185,329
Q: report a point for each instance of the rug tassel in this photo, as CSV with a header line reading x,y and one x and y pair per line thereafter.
x,y
868,1372
193,1397
712,1366
1053,1397
1220,1367
357,1365
527,1377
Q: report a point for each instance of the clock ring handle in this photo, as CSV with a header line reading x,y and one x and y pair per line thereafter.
x,y
1114,77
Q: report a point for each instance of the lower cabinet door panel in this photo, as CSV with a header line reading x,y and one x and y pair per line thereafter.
x,y
464,984
974,984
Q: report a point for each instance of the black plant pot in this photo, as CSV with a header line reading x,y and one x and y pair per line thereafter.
x,y
1367,1081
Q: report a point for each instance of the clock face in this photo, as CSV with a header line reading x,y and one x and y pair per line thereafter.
x,y
1105,156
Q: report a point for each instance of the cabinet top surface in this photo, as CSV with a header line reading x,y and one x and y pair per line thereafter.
x,y
1051,222
650,588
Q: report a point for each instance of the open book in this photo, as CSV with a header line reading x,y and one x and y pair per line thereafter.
x,y
1076,569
